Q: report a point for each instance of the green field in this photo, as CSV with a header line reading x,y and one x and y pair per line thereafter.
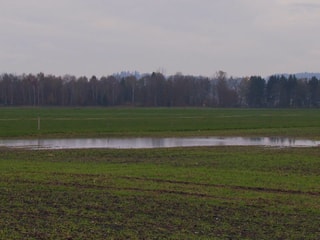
x,y
99,122
191,193
169,193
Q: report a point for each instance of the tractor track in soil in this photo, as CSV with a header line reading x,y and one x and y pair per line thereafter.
x,y
163,191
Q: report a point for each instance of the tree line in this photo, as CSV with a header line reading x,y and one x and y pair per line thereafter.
x,y
156,90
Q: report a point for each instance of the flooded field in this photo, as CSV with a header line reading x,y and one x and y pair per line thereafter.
x,y
140,143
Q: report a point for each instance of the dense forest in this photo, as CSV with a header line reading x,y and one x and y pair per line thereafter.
x,y
156,90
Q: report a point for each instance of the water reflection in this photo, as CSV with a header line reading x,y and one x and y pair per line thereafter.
x,y
138,143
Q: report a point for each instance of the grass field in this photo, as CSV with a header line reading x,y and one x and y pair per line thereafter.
x,y
174,193
99,122
190,193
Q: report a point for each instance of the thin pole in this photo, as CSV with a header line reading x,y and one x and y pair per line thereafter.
x,y
38,122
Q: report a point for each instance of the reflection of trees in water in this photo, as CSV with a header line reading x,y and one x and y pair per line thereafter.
x,y
292,141
277,140
158,142
256,139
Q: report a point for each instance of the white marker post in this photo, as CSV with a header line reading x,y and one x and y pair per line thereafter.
x,y
38,123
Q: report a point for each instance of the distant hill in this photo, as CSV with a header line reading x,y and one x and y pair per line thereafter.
x,y
125,74
301,75
305,75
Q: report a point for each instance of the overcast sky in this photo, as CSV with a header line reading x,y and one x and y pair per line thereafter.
x,y
198,37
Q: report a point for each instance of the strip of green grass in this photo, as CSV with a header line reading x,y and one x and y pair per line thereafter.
x,y
99,122
189,193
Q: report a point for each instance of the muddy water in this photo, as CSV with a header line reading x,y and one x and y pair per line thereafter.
x,y
136,143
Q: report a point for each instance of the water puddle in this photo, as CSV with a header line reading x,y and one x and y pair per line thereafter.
x,y
140,143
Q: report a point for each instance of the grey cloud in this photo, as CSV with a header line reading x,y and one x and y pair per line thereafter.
x,y
99,37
